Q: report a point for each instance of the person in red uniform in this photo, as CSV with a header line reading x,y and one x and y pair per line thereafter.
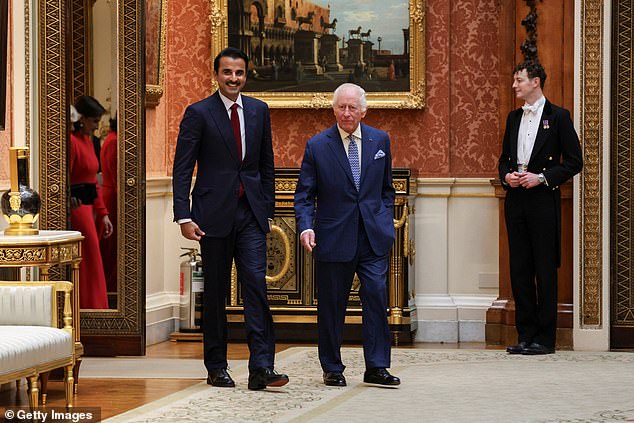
x,y
86,203
108,245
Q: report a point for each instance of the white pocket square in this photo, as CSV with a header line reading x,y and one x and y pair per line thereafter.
x,y
379,154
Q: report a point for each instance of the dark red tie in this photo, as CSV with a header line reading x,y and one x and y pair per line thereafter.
x,y
235,124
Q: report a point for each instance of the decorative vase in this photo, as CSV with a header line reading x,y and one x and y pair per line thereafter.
x,y
21,210
20,205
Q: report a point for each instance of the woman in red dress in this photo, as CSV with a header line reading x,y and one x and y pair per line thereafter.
x,y
109,185
87,207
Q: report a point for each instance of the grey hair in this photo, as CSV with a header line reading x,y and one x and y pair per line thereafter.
x,y
363,102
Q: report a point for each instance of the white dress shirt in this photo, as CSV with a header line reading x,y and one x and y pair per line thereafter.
x,y
529,126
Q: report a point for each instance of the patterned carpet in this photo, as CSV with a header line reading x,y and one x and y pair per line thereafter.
x,y
438,386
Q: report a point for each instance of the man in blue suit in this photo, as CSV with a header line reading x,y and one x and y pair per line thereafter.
x,y
343,207
228,136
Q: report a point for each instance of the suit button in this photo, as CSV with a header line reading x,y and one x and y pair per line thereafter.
x,y
544,169
550,157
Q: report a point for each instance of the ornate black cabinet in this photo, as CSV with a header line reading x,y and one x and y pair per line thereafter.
x,y
292,291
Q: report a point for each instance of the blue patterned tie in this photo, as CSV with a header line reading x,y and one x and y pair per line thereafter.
x,y
353,158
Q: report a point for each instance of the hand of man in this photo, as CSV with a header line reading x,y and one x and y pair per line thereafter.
x,y
107,227
190,230
529,180
307,240
513,179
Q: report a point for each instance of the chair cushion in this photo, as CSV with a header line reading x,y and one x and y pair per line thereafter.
x,y
28,346
26,305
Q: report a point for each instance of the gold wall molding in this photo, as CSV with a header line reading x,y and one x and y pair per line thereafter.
x,y
622,288
53,113
81,69
154,89
591,179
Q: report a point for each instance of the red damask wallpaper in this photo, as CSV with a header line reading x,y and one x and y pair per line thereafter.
x,y
454,136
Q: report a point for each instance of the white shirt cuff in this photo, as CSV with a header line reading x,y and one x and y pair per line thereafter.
x,y
306,230
186,220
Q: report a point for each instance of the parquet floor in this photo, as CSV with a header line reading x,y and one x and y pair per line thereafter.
x,y
115,396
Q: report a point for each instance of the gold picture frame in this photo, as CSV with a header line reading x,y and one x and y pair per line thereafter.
x,y
414,40
156,22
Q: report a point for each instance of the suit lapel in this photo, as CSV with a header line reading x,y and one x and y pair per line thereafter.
x,y
515,129
223,123
336,146
542,133
368,149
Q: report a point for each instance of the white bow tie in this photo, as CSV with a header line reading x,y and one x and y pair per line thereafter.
x,y
530,108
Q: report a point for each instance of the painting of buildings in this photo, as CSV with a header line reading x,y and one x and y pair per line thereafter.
x,y
313,46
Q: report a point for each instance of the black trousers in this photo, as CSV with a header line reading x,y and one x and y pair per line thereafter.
x,y
246,244
533,233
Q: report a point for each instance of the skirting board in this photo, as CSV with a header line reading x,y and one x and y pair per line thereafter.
x,y
452,318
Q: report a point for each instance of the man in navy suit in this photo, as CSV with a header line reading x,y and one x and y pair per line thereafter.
x,y
540,151
343,207
228,136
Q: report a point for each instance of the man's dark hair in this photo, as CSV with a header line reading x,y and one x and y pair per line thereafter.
x,y
234,53
533,70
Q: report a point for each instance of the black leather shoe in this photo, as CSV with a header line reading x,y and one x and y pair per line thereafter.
x,y
334,379
380,376
538,349
517,349
220,378
262,377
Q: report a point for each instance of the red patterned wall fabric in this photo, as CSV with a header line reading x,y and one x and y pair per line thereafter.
x,y
454,136
474,88
188,76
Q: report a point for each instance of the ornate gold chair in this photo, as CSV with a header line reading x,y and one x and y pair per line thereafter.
x,y
33,343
